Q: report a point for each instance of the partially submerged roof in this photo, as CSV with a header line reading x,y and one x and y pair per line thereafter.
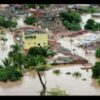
x,y
32,31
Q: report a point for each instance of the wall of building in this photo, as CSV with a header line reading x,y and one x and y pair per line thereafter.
x,y
40,40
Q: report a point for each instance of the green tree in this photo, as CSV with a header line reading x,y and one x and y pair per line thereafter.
x,y
7,62
96,70
92,25
8,71
15,48
45,51
36,59
39,64
71,20
98,53
16,56
70,16
30,20
72,26
7,23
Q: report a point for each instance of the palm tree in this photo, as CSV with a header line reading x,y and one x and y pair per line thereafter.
x,y
15,48
16,56
39,64
7,62
17,59
45,51
36,59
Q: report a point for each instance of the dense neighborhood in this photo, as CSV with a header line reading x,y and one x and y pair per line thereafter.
x,y
50,49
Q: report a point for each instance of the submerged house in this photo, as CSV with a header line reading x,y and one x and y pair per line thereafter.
x,y
33,37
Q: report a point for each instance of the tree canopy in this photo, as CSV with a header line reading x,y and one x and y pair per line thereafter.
x,y
71,20
96,70
30,20
98,53
92,25
7,23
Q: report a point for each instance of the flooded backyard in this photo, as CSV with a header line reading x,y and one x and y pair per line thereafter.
x,y
30,84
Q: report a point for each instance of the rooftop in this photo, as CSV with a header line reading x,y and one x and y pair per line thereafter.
x,y
32,31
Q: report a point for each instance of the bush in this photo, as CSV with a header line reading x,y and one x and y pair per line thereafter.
x,y
30,20
11,74
84,79
71,20
96,70
77,74
7,23
72,26
45,51
71,16
57,71
68,73
56,92
92,25
97,54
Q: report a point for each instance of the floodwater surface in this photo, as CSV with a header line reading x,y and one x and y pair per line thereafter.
x,y
30,84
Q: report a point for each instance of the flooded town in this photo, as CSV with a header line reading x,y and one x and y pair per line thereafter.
x,y
49,49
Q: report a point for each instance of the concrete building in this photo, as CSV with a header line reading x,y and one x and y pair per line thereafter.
x,y
32,37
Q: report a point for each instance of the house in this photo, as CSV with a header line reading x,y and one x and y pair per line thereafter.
x,y
36,12
34,37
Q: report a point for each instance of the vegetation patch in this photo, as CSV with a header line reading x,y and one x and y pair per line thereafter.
x,y
71,20
7,23
84,79
97,54
96,70
92,25
10,74
77,74
56,92
30,20
98,81
68,73
56,71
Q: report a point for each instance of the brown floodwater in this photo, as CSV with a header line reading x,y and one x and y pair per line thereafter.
x,y
30,84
